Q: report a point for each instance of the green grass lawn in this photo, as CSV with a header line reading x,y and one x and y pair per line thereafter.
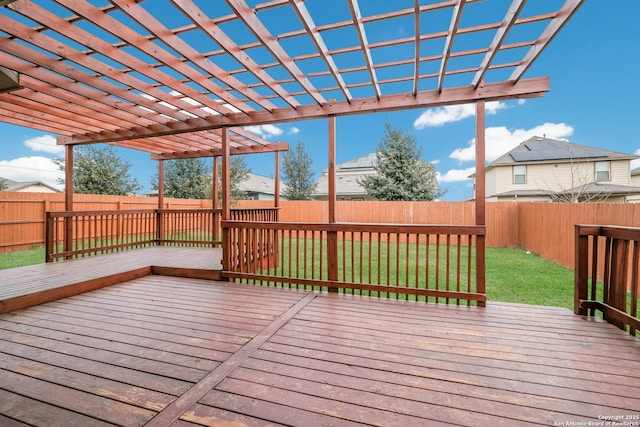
x,y
512,276
22,258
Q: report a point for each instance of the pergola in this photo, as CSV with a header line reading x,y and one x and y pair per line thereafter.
x,y
181,78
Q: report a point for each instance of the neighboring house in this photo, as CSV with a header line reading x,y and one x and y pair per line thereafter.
x,y
28,187
543,169
347,177
256,187
259,187
635,181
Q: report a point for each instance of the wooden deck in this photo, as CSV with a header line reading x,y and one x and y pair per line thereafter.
x,y
36,284
171,351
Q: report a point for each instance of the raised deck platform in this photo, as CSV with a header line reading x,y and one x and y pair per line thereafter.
x,y
37,284
162,351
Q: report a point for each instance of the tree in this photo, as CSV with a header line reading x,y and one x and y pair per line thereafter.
x,y
399,172
186,179
99,171
297,174
3,184
239,172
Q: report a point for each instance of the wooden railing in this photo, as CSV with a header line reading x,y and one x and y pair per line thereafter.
x,y
611,254
424,262
190,227
84,233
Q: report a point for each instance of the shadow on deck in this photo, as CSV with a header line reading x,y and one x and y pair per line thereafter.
x,y
160,351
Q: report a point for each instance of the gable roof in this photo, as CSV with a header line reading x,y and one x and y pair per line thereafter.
x,y
545,150
17,186
259,184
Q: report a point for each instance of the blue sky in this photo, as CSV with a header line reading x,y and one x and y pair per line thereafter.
x,y
594,100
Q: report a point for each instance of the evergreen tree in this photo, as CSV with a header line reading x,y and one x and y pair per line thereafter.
x,y
186,179
99,171
3,184
399,172
239,172
297,174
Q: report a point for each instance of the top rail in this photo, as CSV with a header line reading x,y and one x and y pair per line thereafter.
x,y
607,274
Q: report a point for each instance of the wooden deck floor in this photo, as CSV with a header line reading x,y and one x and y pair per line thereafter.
x,y
169,351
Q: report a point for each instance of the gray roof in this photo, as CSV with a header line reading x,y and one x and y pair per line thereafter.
x,y
593,188
635,171
17,186
541,149
363,162
259,184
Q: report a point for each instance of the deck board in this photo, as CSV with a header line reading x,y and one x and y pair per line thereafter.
x,y
188,352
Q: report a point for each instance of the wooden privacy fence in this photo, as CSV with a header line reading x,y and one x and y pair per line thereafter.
x,y
435,263
546,229
23,215
612,253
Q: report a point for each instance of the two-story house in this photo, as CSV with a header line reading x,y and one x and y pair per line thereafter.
x,y
543,169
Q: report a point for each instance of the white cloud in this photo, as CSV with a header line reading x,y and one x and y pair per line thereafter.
x,y
499,140
440,116
293,131
264,131
44,143
34,168
456,175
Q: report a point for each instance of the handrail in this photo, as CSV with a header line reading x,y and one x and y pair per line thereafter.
x,y
607,274
434,262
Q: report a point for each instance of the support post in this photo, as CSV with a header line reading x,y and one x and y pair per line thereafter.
x,y
68,198
214,200
226,199
332,236
480,199
159,216
276,196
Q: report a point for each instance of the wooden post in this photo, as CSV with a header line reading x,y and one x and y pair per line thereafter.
x,y
214,200
159,217
480,199
226,199
276,196
581,273
332,236
68,198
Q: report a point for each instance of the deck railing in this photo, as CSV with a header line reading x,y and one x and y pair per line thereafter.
x,y
424,262
607,274
84,233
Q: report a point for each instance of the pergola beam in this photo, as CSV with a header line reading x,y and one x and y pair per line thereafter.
x,y
274,147
527,88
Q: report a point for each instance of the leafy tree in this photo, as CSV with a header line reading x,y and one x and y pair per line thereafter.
x,y
3,184
297,174
399,172
186,179
99,171
239,172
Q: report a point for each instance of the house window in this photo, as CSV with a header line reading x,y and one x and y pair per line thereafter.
x,y
520,174
603,171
